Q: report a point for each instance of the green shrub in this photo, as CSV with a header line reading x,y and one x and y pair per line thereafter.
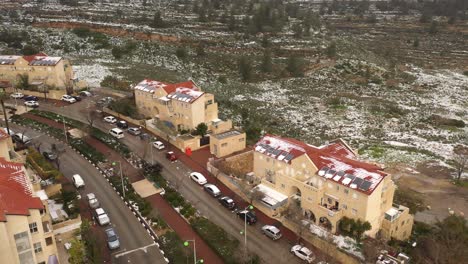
x,y
43,167
217,238
174,248
126,107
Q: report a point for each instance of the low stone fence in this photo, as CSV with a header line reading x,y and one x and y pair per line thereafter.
x,y
124,117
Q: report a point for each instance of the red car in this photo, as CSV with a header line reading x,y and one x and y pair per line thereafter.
x,y
171,156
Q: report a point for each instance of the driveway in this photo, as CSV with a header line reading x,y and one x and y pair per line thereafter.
x,y
136,245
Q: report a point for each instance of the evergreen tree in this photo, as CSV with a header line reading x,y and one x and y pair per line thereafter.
x,y
232,24
181,52
433,29
245,69
331,50
201,49
158,22
295,66
267,64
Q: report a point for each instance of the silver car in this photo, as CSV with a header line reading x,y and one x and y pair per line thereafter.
x,y
271,231
112,238
92,200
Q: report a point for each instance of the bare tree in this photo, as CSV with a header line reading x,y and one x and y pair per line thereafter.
x,y
59,150
460,158
252,194
293,212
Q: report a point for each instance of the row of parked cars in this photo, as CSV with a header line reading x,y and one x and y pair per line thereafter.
x,y
99,214
118,132
249,217
32,101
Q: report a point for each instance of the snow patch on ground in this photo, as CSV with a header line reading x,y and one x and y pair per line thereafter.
x,y
92,73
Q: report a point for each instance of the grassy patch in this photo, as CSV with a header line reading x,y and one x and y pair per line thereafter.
x,y
409,198
43,167
87,150
217,238
374,151
174,248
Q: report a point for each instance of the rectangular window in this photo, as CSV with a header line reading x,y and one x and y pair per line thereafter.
x,y
337,188
344,206
241,139
22,241
49,241
283,186
37,247
354,211
224,144
346,191
33,228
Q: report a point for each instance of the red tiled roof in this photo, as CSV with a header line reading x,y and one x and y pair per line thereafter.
x,y
15,192
170,88
30,58
336,156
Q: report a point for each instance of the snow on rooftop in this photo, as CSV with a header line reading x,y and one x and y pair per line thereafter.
x,y
149,85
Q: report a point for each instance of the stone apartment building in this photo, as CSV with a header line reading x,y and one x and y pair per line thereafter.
x,y
329,182
55,72
25,226
183,106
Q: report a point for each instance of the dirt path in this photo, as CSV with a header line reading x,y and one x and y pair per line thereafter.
x,y
437,190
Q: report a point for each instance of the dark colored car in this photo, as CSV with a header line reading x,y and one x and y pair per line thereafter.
x,y
122,124
30,98
49,155
77,97
227,202
248,216
171,156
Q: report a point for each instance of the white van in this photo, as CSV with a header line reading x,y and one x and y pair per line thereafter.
x,y
116,132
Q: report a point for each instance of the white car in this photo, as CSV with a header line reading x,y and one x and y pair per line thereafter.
x,y
110,119
303,253
17,95
68,98
31,104
78,181
102,217
158,145
198,178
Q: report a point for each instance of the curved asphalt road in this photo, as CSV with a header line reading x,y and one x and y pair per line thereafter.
x,y
136,244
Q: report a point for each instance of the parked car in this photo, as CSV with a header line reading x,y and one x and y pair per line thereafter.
x,y
50,155
110,119
122,124
17,95
271,231
101,217
247,216
33,104
158,145
30,98
78,181
77,97
85,93
92,200
134,131
303,253
112,238
198,178
227,202
212,190
21,138
117,132
11,131
171,156
68,98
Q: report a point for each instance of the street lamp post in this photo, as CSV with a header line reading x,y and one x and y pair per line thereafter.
x,y
245,227
186,243
65,129
121,176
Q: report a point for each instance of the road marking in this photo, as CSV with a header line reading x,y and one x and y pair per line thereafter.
x,y
123,253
